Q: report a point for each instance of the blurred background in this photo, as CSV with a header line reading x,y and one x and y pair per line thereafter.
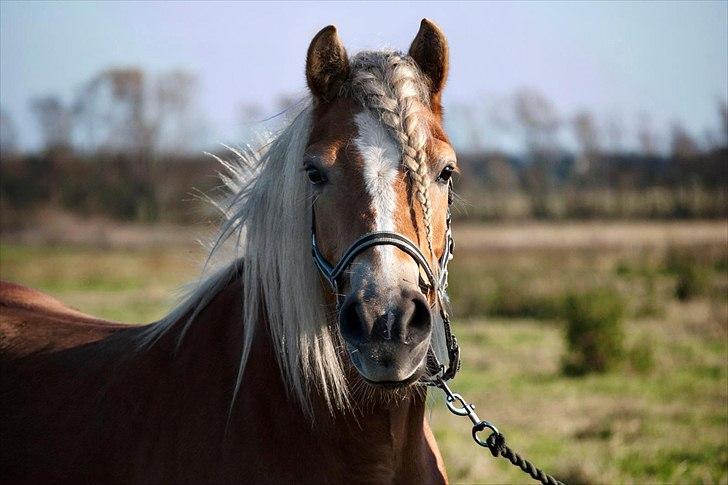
x,y
590,282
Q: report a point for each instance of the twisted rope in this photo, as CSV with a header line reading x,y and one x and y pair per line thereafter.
x,y
390,85
496,443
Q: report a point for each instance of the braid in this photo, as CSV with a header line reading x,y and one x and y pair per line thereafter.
x,y
389,84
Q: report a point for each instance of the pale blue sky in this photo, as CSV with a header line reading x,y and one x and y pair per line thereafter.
x,y
618,59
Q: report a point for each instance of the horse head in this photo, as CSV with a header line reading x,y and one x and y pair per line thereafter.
x,y
379,166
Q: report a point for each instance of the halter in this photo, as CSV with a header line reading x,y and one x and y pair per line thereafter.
x,y
332,274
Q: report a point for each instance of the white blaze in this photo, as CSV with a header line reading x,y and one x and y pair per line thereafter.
x,y
381,157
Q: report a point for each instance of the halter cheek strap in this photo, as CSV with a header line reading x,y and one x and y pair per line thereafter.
x,y
332,273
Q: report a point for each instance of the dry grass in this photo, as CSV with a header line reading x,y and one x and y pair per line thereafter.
x,y
128,285
622,235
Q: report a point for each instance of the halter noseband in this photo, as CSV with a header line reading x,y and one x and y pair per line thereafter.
x,y
332,274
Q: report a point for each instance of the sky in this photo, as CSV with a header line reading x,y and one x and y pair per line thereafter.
x,y
618,59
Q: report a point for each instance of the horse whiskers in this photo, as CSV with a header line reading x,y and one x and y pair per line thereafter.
x,y
366,395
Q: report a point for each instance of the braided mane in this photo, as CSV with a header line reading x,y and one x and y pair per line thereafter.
x,y
391,86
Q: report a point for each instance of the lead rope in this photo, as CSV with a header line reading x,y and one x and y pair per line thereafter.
x,y
495,442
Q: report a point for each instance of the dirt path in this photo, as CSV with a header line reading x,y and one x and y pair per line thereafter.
x,y
607,234
72,230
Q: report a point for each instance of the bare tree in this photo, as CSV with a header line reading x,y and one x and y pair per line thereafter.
x,y
111,109
683,146
539,121
711,138
123,110
54,122
587,134
501,113
500,175
8,134
588,137
646,136
614,130
171,120
129,131
140,116
86,113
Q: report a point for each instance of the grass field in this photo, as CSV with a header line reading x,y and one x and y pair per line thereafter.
x,y
660,417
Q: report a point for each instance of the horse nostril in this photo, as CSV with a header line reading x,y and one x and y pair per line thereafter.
x,y
407,320
352,322
420,322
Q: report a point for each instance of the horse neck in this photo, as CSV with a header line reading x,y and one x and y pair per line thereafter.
x,y
373,438
379,431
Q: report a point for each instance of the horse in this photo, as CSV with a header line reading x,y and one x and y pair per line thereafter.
x,y
277,366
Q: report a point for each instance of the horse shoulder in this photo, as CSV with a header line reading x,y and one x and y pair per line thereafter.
x,y
32,321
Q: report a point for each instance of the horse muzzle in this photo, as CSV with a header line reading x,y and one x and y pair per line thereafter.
x,y
388,335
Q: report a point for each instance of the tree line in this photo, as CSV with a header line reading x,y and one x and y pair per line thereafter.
x,y
124,146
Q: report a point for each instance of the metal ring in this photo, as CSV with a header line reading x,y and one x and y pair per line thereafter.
x,y
480,427
460,411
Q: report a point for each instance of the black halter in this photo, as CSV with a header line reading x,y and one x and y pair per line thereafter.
x,y
438,282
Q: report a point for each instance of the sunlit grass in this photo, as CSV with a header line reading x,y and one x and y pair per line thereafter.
x,y
125,285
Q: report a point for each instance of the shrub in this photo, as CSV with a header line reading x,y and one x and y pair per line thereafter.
x,y
468,291
676,259
721,262
692,281
692,274
649,303
623,268
594,334
641,355
475,295
514,301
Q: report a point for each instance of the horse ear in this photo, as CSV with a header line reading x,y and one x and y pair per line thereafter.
x,y
430,52
327,65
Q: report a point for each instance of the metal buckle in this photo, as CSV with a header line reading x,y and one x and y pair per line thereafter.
x,y
467,409
480,427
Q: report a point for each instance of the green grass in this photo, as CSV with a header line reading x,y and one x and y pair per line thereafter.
x,y
661,422
666,425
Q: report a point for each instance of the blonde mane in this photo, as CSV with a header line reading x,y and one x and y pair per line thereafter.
x,y
267,222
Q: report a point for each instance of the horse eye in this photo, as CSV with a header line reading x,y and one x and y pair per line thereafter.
x,y
445,174
315,175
